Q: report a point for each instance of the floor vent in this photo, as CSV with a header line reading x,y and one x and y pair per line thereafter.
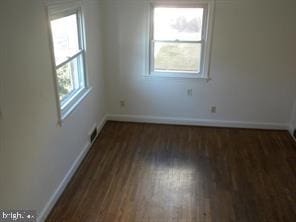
x,y
93,135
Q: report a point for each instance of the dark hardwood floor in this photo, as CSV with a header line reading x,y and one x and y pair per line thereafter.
x,y
162,173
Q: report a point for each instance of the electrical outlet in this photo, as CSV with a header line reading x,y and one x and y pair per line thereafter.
x,y
122,103
189,92
213,109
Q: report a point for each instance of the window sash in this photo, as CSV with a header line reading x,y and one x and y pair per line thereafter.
x,y
80,72
78,14
70,59
202,41
152,59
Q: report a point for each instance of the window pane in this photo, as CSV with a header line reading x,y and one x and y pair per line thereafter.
x,y
65,37
70,78
177,57
178,24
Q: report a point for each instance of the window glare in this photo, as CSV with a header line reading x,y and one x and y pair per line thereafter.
x,y
65,37
178,23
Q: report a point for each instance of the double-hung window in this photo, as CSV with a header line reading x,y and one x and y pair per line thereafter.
x,y
179,40
69,58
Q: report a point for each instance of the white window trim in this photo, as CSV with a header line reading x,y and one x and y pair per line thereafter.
x,y
58,10
207,38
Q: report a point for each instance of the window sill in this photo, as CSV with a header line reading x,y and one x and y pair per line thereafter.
x,y
171,75
73,104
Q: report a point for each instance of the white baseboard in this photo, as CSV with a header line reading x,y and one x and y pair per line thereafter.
x,y
101,124
197,122
291,130
55,196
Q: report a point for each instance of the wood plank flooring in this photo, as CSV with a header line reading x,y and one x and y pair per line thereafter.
x,y
164,173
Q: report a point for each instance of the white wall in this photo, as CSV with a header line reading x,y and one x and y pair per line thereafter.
x,y
252,66
35,152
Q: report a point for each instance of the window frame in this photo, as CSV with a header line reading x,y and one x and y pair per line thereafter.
x,y
67,105
205,42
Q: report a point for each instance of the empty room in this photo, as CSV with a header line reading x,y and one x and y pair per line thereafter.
x,y
148,111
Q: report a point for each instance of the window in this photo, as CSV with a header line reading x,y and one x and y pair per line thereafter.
x,y
69,56
179,44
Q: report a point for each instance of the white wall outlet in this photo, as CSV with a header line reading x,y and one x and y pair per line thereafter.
x,y
189,92
122,103
213,109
